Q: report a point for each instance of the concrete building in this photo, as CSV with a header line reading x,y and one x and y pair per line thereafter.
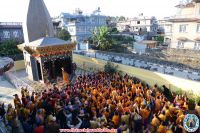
x,y
81,26
186,26
143,23
123,25
11,30
165,28
139,25
141,47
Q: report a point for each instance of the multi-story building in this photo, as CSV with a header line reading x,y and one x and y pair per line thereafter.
x,y
139,24
81,26
123,25
148,24
186,26
165,28
11,30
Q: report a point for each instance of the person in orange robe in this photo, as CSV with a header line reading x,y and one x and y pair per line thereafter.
x,y
65,76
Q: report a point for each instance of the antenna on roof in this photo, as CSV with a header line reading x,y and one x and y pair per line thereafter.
x,y
141,14
97,11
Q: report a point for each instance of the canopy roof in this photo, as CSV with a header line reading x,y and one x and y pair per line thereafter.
x,y
48,41
48,46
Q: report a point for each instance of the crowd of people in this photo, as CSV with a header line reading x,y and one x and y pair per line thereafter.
x,y
99,100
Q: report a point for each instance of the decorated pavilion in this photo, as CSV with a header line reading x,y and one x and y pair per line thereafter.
x,y
45,58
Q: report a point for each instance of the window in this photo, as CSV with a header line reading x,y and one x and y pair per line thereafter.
x,y
16,34
198,27
6,34
183,28
138,22
180,44
71,29
197,45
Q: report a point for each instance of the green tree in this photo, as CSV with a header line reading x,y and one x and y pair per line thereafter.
x,y
64,34
9,48
102,38
113,30
123,39
122,18
160,39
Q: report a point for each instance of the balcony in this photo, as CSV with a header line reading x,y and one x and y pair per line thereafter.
x,y
168,33
185,18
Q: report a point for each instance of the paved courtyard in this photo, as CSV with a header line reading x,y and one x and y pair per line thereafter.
x,y
7,91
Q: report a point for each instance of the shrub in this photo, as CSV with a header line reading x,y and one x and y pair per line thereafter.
x,y
197,99
191,104
110,68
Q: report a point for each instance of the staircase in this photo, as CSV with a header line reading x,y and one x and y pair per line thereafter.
x,y
37,86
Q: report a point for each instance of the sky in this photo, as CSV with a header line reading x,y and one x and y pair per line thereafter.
x,y
15,10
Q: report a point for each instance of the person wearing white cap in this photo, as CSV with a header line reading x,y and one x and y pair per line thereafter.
x,y
52,126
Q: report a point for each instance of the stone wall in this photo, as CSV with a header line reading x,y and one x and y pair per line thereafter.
x,y
188,57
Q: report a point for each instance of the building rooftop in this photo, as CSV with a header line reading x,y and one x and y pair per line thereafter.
x,y
187,5
11,24
183,18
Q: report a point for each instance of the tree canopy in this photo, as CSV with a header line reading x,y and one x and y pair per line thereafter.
x,y
160,39
102,38
122,18
9,47
64,34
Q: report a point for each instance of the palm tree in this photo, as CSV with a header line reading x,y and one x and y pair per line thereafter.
x,y
102,38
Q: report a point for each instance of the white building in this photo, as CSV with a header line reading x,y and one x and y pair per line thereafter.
x,y
11,30
123,25
139,24
186,26
165,27
81,26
